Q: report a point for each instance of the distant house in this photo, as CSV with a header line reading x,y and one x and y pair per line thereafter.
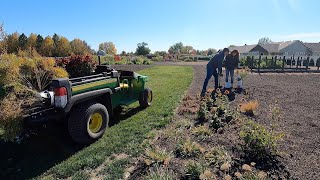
x,y
286,48
296,48
243,50
315,48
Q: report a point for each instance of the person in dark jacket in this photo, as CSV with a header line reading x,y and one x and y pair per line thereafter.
x,y
214,68
232,61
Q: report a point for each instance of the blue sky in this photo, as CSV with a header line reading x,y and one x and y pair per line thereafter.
x,y
200,23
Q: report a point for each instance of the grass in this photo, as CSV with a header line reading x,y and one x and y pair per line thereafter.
x,y
169,83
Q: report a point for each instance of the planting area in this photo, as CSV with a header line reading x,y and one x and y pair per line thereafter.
x,y
280,140
204,138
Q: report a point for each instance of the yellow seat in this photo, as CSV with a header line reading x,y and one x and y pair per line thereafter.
x,y
123,85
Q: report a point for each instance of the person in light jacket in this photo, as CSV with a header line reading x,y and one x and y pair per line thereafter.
x,y
232,61
214,68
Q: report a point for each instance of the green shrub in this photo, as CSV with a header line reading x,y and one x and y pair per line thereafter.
x,y
194,169
202,131
203,113
157,58
188,148
147,62
138,60
106,60
160,173
157,155
217,156
78,66
258,141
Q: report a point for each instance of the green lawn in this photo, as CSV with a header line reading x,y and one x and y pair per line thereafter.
x,y
168,83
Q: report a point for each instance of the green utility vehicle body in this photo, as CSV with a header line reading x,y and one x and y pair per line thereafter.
x,y
88,103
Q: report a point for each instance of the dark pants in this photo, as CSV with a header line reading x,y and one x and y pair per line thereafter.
x,y
231,72
210,72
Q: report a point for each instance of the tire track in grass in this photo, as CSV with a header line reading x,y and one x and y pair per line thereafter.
x,y
168,83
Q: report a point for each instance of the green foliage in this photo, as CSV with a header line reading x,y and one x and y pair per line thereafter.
x,y
187,148
78,66
217,156
23,41
194,169
157,155
202,132
203,112
115,169
157,58
39,42
142,49
160,173
108,47
258,141
12,43
147,62
81,175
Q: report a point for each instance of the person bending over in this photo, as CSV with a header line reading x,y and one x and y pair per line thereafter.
x,y
214,68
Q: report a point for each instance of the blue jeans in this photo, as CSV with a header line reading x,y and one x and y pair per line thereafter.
x,y
210,72
231,72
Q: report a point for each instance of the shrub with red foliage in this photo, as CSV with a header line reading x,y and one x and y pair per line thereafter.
x,y
117,58
78,66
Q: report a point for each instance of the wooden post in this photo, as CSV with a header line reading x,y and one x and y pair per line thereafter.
x,y
308,61
252,62
297,62
283,61
259,64
267,61
290,62
272,66
275,62
99,60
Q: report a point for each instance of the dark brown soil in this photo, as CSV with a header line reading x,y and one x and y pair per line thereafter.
x,y
298,96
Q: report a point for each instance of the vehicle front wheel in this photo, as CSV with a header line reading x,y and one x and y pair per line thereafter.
x,y
145,98
88,122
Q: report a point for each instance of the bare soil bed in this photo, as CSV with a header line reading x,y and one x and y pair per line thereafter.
x,y
298,96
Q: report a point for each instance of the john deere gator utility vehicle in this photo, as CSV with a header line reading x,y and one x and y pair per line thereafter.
x,y
88,103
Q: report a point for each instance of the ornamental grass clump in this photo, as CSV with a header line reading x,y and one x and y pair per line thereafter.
x,y
20,80
248,108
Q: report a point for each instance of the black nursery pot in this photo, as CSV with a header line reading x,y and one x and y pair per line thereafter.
x,y
231,96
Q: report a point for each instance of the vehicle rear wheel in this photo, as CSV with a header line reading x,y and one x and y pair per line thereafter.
x,y
145,98
88,122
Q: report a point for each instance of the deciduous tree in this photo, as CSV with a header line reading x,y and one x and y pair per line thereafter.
x,y
108,47
79,47
264,40
47,47
32,41
142,49
13,43
211,51
63,47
